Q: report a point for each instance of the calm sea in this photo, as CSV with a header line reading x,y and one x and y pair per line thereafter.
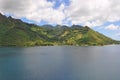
x,y
60,63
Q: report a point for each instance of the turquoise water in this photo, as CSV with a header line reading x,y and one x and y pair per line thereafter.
x,y
60,63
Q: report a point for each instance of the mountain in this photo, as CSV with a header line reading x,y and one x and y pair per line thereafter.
x,y
14,32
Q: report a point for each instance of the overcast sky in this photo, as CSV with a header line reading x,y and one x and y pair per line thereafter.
x,y
100,15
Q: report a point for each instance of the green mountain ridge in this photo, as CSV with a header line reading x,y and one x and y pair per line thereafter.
x,y
14,32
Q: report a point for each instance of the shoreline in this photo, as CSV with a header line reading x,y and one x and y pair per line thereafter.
x,y
58,46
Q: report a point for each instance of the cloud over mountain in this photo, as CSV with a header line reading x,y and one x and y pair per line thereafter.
x,y
86,12
94,12
36,10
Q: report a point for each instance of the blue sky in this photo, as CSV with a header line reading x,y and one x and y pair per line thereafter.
x,y
101,15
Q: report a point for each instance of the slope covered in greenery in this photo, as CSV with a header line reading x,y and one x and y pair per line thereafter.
x,y
14,32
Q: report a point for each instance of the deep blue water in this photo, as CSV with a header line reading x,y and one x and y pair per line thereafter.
x,y
60,63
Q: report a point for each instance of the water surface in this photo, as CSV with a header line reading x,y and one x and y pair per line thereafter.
x,y
60,63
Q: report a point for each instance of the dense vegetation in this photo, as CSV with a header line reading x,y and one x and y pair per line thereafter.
x,y
14,32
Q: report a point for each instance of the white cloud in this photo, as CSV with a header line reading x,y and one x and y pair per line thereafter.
x,y
93,12
86,12
93,23
112,27
36,10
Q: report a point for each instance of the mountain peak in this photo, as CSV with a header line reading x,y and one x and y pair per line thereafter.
x,y
0,14
76,25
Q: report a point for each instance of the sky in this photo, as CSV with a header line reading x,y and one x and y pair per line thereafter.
x,y
100,15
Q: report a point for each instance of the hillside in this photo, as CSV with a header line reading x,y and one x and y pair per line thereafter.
x,y
14,32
